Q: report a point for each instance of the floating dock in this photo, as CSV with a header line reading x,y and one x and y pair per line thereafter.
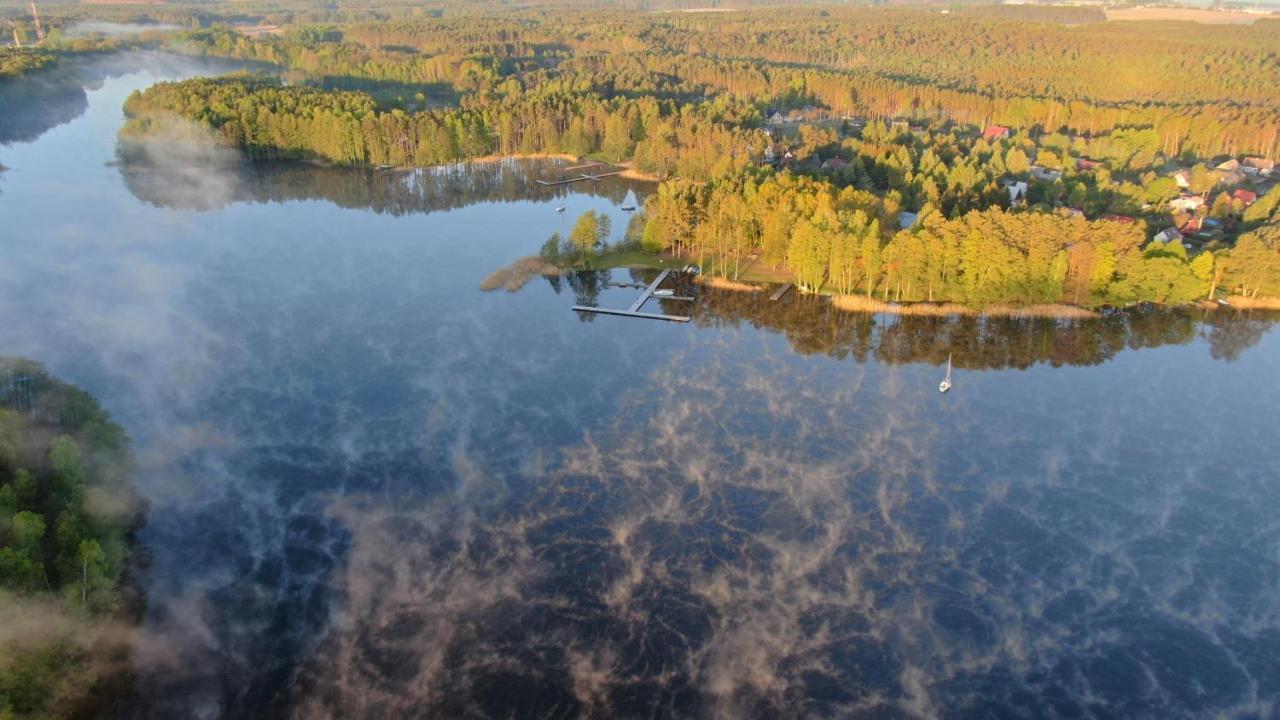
x,y
777,294
634,310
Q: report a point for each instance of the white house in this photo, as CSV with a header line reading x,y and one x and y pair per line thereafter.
x,y
1045,174
1186,202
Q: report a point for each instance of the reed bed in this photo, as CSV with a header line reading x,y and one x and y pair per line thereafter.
x,y
514,276
863,304
1242,302
720,283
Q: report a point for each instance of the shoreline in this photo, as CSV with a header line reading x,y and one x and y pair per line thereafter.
x,y
871,306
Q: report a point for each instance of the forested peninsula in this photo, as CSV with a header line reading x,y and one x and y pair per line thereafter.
x,y
859,152
67,515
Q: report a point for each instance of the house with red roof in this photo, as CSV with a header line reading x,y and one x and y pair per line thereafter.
x,y
996,132
1247,197
1087,164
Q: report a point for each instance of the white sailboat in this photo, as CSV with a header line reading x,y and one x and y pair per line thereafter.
x,y
945,385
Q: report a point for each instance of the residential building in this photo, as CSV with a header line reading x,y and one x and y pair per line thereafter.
x,y
1259,166
1186,202
1247,197
996,132
1045,174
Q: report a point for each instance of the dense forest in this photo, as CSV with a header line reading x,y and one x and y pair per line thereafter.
x,y
15,61
67,513
872,151
834,239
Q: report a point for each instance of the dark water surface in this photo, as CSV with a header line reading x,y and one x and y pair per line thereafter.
x,y
377,491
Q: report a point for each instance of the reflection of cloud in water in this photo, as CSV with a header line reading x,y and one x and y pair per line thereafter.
x,y
752,536
166,179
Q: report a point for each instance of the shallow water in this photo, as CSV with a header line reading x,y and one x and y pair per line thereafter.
x,y
377,491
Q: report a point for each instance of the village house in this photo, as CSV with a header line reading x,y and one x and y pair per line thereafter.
x,y
1168,235
995,132
776,119
1229,166
907,220
1087,164
1045,174
1230,178
1017,191
1187,202
1183,178
835,163
1245,197
1258,166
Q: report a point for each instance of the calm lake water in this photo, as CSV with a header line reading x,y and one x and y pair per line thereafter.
x,y
376,491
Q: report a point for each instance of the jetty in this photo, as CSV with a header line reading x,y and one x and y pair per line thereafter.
x,y
584,176
777,294
634,309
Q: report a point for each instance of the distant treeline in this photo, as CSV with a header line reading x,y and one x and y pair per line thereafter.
x,y
67,514
1208,92
272,121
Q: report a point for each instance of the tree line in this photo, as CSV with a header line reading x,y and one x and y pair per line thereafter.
x,y
66,515
846,241
1209,93
273,121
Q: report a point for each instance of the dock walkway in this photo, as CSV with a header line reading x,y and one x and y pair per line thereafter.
x,y
584,176
634,310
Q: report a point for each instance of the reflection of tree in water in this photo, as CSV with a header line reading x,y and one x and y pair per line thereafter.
x,y
37,102
1230,334
156,178
813,326
586,288
34,105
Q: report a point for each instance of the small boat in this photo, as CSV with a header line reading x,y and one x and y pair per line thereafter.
x,y
945,385
664,293
628,208
560,209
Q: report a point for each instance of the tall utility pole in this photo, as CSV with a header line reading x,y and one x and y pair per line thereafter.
x,y
36,16
17,41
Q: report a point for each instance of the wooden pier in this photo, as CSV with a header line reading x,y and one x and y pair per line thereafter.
x,y
584,176
634,310
777,294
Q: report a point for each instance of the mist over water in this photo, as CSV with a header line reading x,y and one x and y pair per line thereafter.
x,y
377,491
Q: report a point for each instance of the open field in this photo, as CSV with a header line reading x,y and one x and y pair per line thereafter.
x,y
1199,15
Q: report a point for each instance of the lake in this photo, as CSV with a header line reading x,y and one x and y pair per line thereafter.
x,y
378,491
